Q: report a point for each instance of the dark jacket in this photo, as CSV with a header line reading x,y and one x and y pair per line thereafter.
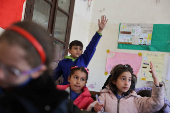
x,y
64,65
38,96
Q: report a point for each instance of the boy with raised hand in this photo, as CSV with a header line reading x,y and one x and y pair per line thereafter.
x,y
77,58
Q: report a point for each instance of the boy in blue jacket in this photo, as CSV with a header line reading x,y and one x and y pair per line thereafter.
x,y
77,58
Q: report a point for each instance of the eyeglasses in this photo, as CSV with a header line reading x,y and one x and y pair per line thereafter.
x,y
9,70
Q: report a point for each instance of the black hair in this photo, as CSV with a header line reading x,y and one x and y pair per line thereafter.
x,y
116,72
107,82
133,82
145,93
40,34
75,43
83,69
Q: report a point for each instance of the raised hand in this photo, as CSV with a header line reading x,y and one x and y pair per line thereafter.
x,y
102,23
154,76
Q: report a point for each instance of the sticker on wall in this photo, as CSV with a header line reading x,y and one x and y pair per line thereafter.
x,y
108,51
140,54
106,73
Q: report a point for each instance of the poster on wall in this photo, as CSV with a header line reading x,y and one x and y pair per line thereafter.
x,y
136,34
158,62
115,58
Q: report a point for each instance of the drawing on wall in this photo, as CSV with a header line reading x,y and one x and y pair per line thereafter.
x,y
115,58
137,34
158,62
91,86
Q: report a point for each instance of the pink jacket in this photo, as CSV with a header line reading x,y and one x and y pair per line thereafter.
x,y
83,100
132,103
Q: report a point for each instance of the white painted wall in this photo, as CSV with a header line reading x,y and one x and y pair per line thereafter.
x,y
81,22
1,30
123,11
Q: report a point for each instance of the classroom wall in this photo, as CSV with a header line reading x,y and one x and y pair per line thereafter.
x,y
121,11
81,21
1,30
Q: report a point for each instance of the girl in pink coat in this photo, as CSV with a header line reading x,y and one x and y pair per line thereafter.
x,y
119,98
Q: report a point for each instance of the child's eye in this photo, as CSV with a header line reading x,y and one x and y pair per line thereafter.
x,y
75,48
82,79
81,49
75,77
129,80
123,78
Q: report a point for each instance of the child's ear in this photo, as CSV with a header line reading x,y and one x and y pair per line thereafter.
x,y
114,82
69,79
69,50
37,74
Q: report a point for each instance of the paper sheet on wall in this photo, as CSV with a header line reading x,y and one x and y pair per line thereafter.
x,y
114,58
137,34
158,62
168,70
160,40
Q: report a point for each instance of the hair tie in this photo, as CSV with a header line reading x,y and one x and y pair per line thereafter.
x,y
31,39
83,67
126,65
86,70
74,67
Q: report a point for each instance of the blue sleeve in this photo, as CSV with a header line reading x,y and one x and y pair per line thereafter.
x,y
91,48
57,72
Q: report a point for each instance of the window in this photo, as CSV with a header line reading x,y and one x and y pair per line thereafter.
x,y
56,17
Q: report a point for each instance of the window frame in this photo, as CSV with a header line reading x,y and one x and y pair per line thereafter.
x,y
51,23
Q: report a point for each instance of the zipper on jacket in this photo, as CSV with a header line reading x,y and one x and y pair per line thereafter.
x,y
118,105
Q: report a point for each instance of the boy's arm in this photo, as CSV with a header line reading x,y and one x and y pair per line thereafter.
x,y
57,72
91,48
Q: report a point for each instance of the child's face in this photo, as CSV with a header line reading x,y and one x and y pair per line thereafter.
x,y
12,56
75,51
123,82
77,81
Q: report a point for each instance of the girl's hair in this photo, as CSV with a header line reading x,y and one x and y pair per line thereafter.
x,y
83,69
133,82
107,82
40,34
116,72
